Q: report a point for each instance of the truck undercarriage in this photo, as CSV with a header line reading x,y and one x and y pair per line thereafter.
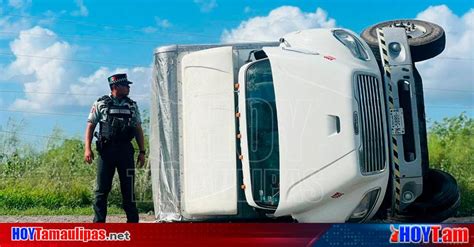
x,y
313,128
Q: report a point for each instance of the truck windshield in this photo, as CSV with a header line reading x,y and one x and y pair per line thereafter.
x,y
262,129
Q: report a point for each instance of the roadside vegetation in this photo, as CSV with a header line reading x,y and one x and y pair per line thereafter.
x,y
451,149
55,180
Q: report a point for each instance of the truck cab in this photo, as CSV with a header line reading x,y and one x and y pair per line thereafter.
x,y
299,129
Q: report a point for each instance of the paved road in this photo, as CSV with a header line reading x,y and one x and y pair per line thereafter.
x,y
144,218
469,219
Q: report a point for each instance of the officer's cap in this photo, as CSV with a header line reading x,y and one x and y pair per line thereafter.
x,y
119,79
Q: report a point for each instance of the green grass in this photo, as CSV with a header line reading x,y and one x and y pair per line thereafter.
x,y
451,149
56,181
38,210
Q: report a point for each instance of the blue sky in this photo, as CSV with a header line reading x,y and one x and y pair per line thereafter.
x,y
55,55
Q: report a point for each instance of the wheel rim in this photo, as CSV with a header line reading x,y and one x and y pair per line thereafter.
x,y
412,30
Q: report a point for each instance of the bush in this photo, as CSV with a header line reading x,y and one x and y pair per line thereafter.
x,y
55,178
451,149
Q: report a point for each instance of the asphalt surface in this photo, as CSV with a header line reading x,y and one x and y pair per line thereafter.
x,y
144,218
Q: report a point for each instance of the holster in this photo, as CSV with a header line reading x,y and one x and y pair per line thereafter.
x,y
99,143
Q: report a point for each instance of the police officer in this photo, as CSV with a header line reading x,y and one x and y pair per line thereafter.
x,y
119,122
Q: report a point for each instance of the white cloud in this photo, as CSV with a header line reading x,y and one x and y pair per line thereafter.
x,y
149,29
36,74
160,24
454,68
11,25
97,84
19,4
82,11
247,9
52,76
164,23
278,22
206,5
50,18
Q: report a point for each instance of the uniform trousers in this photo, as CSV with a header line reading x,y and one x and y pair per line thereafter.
x,y
116,156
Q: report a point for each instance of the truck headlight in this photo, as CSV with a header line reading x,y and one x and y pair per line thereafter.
x,y
365,206
352,43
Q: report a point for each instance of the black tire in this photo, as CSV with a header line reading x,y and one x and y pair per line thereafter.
x,y
425,46
440,199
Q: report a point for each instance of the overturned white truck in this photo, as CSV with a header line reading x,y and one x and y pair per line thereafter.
x,y
312,128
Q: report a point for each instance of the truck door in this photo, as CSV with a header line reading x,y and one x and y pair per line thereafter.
x,y
209,175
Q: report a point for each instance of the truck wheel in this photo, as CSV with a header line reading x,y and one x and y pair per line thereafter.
x,y
426,39
439,201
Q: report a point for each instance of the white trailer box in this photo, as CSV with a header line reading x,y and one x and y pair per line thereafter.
x,y
197,83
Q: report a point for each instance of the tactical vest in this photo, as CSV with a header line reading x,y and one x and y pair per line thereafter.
x,y
117,126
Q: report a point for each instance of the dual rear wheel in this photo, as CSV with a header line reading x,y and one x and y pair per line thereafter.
x,y
440,200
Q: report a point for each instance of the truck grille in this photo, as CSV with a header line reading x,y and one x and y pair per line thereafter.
x,y
372,153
